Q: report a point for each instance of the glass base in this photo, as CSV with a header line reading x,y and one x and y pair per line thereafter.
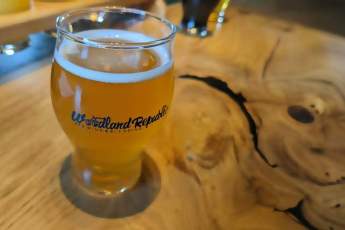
x,y
106,181
195,31
121,205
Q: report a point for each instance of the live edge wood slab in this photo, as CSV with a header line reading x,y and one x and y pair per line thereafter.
x,y
254,140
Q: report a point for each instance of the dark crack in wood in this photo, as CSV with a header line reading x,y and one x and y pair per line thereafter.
x,y
240,101
298,214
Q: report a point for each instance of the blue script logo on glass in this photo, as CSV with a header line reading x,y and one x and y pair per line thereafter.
x,y
106,123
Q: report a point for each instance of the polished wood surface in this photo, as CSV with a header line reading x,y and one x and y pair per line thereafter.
x,y
253,138
42,16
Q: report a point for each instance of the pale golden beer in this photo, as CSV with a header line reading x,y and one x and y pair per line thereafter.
x,y
110,102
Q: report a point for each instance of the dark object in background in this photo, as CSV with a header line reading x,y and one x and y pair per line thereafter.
x,y
327,15
195,16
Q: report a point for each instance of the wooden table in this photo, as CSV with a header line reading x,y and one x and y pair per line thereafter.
x,y
254,139
42,16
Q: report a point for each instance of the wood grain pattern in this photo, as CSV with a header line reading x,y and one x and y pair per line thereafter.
x,y
42,16
212,176
292,80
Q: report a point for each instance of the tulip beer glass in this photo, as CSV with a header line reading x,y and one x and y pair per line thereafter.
x,y
111,87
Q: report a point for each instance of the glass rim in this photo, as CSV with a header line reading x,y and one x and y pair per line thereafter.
x,y
109,44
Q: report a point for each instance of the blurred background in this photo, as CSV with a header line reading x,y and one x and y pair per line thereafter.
x,y
27,27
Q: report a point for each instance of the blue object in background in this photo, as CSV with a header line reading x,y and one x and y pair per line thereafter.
x,y
41,46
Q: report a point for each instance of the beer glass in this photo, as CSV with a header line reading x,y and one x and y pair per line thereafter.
x,y
111,87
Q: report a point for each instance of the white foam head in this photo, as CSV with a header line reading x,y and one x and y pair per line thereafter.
x,y
68,46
